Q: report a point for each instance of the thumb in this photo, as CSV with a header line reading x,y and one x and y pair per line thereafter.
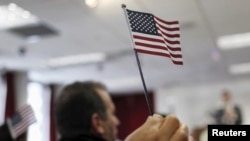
x,y
148,131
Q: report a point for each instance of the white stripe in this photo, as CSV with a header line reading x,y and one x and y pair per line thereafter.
x,y
147,35
152,49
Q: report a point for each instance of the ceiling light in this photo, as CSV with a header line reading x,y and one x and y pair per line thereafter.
x,y
234,41
12,15
240,68
76,59
33,39
91,3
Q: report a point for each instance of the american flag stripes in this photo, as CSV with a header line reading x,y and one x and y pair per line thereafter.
x,y
155,36
21,120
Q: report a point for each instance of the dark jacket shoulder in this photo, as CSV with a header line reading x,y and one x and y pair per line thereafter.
x,y
5,134
82,138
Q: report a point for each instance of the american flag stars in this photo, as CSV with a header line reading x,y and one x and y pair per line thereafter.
x,y
141,22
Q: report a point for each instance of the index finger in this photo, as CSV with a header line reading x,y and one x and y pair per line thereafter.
x,y
181,134
168,128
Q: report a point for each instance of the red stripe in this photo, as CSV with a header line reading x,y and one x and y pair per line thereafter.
x,y
159,54
168,28
177,62
158,47
167,22
151,46
171,35
174,48
172,42
176,55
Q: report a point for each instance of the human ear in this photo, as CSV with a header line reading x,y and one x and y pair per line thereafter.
x,y
97,124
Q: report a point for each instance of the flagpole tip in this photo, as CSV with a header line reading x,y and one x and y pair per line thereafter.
x,y
123,6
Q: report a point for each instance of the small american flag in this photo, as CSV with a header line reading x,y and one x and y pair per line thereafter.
x,y
21,120
155,36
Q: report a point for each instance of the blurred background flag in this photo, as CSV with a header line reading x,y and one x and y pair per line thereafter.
x,y
21,120
152,35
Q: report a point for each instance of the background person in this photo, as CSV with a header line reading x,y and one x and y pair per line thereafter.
x,y
227,111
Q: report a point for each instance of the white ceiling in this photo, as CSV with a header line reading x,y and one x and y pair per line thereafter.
x,y
103,29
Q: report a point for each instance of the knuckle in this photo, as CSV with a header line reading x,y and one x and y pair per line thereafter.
x,y
173,118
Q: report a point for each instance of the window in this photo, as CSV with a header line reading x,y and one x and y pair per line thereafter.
x,y
39,98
